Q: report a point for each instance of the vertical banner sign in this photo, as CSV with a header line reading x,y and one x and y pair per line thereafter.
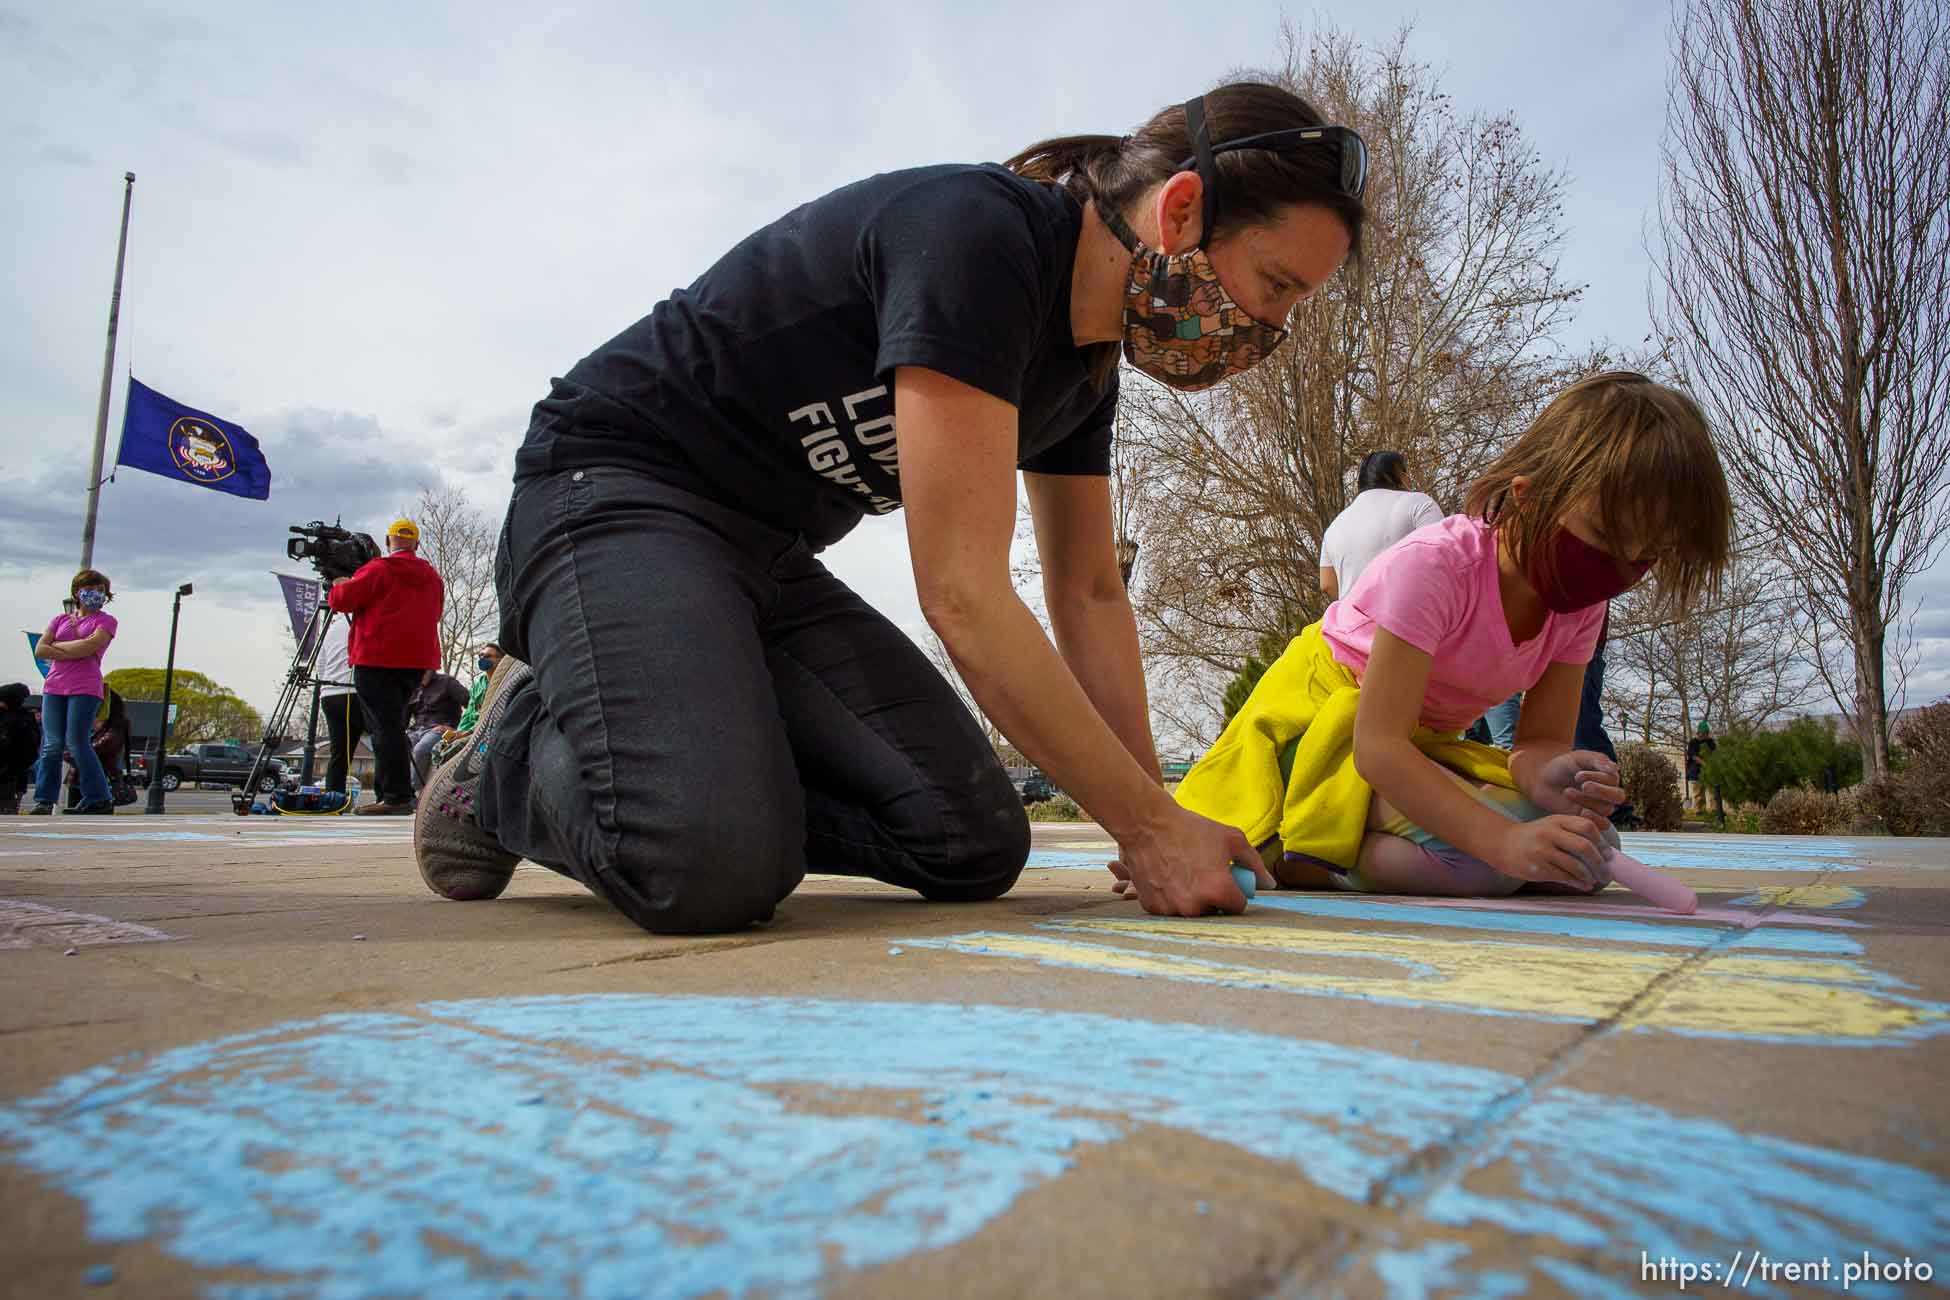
x,y
301,602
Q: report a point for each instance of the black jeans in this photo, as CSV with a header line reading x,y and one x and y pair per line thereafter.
x,y
713,713
384,692
345,719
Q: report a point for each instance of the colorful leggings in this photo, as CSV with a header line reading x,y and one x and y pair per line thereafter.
x,y
1400,857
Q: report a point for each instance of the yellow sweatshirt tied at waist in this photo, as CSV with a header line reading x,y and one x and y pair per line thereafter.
x,y
1302,711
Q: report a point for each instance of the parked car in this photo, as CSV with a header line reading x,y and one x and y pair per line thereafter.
x,y
1036,788
216,762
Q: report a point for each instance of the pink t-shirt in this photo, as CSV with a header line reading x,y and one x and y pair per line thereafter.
x,y
77,676
1437,590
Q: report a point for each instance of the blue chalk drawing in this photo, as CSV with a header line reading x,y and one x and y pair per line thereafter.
x,y
1742,852
1580,1281
1434,1268
1069,859
1582,1162
681,1146
131,837
1700,852
1758,846
1677,933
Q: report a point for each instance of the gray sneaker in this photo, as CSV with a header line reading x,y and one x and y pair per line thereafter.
x,y
457,858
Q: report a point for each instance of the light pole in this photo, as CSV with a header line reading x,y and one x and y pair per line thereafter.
x,y
155,804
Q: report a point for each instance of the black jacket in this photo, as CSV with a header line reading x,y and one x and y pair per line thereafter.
x,y
20,746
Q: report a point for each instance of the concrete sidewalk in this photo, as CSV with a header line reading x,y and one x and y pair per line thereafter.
x,y
253,1057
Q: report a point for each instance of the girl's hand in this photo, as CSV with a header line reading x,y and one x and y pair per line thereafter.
x,y
1559,850
1578,781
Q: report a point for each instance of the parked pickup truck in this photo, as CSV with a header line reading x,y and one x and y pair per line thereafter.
x,y
217,762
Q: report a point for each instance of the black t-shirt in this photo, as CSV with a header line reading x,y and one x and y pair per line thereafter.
x,y
437,703
768,384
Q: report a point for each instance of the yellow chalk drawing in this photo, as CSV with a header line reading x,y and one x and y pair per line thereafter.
x,y
1801,896
1728,996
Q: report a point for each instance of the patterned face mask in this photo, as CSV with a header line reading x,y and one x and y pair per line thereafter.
x,y
1180,325
92,597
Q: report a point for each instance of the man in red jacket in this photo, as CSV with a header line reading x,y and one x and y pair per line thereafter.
x,y
395,603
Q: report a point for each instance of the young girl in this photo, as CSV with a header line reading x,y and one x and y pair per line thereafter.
x,y
75,643
1345,765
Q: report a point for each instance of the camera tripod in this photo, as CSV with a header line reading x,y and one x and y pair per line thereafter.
x,y
300,681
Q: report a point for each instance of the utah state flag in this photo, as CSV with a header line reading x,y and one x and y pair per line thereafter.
x,y
167,438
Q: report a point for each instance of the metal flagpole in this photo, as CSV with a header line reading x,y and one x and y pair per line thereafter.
x,y
108,377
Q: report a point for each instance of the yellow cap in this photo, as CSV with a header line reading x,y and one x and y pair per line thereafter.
x,y
404,528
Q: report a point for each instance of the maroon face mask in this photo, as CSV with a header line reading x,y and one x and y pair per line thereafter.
x,y
1585,575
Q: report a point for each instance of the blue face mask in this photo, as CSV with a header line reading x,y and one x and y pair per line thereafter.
x,y
485,664
92,598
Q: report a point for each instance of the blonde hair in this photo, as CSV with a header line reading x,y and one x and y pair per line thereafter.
x,y
1642,454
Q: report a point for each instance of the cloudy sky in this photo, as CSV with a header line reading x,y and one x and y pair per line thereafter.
x,y
370,233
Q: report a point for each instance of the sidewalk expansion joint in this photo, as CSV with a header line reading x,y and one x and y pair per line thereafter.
x,y
64,1024
696,948
192,978
1422,1174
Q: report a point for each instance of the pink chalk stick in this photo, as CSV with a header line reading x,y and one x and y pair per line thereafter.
x,y
1651,884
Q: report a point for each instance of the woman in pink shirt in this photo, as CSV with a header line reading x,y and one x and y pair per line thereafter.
x,y
75,644
1346,765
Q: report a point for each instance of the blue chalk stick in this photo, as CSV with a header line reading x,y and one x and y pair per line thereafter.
x,y
1243,877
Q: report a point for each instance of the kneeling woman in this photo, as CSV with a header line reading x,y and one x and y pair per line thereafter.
x,y
697,711
1346,763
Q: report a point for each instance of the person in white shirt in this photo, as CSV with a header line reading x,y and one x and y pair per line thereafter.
x,y
1383,512
345,719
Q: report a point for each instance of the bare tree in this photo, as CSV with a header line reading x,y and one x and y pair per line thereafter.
x,y
1439,345
1738,662
459,540
1803,285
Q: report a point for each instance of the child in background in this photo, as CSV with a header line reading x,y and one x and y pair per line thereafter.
x,y
112,739
75,644
1346,764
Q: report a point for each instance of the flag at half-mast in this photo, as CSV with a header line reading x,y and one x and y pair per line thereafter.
x,y
165,437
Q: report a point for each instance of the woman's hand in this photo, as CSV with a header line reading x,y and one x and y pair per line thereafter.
x,y
1578,781
1559,850
1181,866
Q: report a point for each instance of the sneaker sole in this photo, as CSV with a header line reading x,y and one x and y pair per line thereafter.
x,y
459,860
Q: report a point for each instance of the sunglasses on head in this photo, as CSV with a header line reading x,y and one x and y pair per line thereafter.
x,y
1354,152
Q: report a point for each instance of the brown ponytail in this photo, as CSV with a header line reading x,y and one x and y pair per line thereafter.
x,y
1255,186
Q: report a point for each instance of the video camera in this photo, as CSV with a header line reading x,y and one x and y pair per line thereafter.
x,y
333,551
